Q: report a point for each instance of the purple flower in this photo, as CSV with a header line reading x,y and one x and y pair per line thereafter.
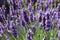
x,y
27,1
1,19
34,28
29,34
14,33
40,25
8,17
39,1
47,28
51,1
31,1
35,19
11,2
6,23
58,24
11,22
45,6
25,16
1,30
1,12
59,33
38,7
48,24
7,38
23,23
48,16
31,16
15,6
40,18
58,14
44,21
30,7
20,4
58,7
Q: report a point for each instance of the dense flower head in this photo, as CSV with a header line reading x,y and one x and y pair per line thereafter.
x,y
47,28
31,16
29,34
14,33
23,23
34,29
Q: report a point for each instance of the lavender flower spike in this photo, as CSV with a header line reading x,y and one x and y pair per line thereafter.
x,y
34,28
29,34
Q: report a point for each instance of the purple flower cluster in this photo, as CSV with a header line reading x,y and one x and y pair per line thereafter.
x,y
29,34
44,13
